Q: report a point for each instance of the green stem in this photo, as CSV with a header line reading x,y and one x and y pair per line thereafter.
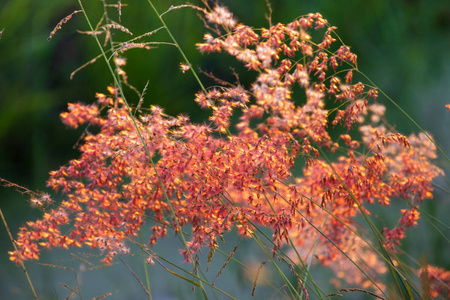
x,y
178,46
119,85
408,116
18,255
260,243
308,266
145,268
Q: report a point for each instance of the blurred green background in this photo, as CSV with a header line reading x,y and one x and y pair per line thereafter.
x,y
401,45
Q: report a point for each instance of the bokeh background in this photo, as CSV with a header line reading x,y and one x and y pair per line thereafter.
x,y
401,45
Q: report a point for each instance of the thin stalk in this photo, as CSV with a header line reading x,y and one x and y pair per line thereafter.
x,y
267,282
119,85
343,252
318,290
340,221
148,289
256,238
157,256
307,267
321,233
282,275
78,288
408,116
396,275
365,215
137,277
314,249
18,254
146,271
181,51
178,46
307,274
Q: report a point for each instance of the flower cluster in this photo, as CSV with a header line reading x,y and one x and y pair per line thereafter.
x,y
438,281
213,181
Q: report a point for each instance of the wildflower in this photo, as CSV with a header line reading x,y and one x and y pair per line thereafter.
x,y
59,25
214,181
184,67
409,217
120,61
222,16
150,260
45,198
36,202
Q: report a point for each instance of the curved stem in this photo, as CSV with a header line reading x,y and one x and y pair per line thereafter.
x,y
178,46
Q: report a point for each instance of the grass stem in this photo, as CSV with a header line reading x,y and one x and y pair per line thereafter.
x,y
18,255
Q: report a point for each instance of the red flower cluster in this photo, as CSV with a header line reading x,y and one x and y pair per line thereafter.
x,y
437,279
215,181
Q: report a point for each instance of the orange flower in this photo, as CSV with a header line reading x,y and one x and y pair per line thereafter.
x,y
217,176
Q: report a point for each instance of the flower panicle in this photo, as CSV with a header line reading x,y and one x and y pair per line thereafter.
x,y
215,181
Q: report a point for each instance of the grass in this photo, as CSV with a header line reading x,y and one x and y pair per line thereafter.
x,y
216,194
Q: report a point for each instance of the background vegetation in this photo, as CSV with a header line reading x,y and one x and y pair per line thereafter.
x,y
401,45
